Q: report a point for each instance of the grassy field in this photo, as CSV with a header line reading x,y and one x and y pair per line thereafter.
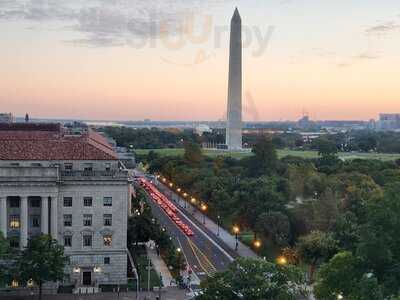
x,y
281,153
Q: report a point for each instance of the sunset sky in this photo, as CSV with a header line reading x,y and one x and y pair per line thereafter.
x,y
168,60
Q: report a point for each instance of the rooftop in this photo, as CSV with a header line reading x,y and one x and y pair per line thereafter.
x,y
29,141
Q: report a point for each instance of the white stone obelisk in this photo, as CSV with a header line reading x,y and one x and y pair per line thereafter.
x,y
234,112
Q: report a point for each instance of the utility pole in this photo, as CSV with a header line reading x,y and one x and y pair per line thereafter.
x,y
159,289
137,287
148,278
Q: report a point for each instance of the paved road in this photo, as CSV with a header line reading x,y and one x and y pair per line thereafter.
x,y
225,239
204,255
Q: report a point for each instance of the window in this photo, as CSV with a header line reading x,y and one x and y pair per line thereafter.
x,y
108,167
107,220
14,202
87,240
35,221
68,167
107,201
88,167
35,202
67,220
87,201
14,222
14,283
14,164
36,164
106,260
107,240
87,220
68,241
14,242
67,201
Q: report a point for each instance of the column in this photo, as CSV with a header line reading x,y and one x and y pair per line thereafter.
x,y
45,215
24,222
3,215
54,216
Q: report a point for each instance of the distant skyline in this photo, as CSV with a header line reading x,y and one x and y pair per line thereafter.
x,y
131,59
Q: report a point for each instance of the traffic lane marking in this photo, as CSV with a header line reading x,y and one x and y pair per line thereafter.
x,y
205,234
208,262
172,227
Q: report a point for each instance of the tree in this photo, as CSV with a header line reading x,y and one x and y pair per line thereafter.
x,y
140,228
260,195
254,279
357,191
4,256
316,248
275,224
346,275
327,150
141,224
4,246
192,155
346,231
367,143
42,261
379,241
265,158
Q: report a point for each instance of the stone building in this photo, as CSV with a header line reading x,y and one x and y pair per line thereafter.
x,y
69,185
7,118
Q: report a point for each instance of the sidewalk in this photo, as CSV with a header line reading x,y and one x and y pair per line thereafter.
x,y
160,266
224,235
170,293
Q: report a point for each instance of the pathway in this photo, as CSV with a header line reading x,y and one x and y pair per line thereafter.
x,y
159,265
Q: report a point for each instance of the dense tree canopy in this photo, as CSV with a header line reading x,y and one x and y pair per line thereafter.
x,y
255,279
312,209
4,256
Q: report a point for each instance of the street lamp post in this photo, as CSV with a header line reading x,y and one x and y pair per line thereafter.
x,y
237,242
184,200
236,230
204,209
218,220
193,201
257,245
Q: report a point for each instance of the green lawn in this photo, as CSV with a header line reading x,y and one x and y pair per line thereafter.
x,y
281,153
141,262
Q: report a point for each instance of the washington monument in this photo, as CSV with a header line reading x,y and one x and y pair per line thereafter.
x,y
234,117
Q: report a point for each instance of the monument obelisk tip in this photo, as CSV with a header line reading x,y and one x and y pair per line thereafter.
x,y
236,13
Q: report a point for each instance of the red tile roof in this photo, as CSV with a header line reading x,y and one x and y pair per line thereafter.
x,y
51,142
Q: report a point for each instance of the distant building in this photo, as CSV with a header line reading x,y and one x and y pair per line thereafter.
x,y
371,124
7,118
310,136
388,122
69,184
202,128
304,122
